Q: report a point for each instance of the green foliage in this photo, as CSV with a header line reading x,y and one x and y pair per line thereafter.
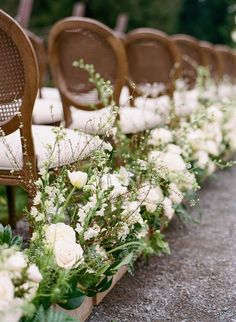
x,y
50,315
6,237
207,19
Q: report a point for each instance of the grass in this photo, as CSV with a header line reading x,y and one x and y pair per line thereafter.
x,y
21,202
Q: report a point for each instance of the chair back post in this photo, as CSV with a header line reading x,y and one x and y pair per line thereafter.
x,y
152,58
191,57
18,86
24,13
81,38
79,9
40,51
121,23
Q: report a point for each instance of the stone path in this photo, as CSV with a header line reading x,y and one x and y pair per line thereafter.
x,y
197,282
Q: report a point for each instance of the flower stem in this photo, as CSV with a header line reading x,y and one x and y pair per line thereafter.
x,y
123,246
68,199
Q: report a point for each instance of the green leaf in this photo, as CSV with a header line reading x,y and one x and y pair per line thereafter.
x,y
118,264
74,301
7,235
51,315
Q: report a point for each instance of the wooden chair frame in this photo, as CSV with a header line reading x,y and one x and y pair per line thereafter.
x,y
192,43
24,13
149,34
228,61
74,23
21,121
209,52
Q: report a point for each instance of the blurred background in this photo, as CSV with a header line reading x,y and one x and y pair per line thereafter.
x,y
212,20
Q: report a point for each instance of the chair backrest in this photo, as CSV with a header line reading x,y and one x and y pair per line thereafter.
x,y
24,12
18,81
153,61
214,63
81,38
40,51
191,57
228,61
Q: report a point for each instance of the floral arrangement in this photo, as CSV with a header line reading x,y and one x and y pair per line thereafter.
x,y
96,215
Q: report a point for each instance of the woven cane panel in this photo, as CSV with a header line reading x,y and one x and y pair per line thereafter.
x,y
93,49
12,78
149,62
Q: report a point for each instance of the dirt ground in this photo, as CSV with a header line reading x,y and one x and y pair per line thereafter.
x,y
197,282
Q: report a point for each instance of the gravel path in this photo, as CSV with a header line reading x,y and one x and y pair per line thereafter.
x,y
197,282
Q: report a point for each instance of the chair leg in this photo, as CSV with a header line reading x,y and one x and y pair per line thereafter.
x,y
11,205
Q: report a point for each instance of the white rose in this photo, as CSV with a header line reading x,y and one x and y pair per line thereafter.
x,y
202,159
173,148
211,147
160,136
6,290
168,210
34,274
78,178
67,254
172,161
175,194
16,262
12,314
150,197
59,231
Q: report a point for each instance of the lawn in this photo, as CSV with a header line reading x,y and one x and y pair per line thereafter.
x,y
21,202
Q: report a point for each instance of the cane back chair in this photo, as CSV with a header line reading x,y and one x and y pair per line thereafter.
x,y
191,57
81,38
153,61
213,60
23,147
228,61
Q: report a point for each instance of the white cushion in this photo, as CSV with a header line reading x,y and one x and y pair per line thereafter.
x,y
50,93
47,111
74,146
132,120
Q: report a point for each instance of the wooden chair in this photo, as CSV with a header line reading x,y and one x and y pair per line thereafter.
x,y
24,13
191,57
153,59
82,38
213,59
228,62
23,147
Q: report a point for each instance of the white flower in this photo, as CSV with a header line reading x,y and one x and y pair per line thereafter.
x,y
78,178
150,196
196,139
12,313
131,214
215,114
168,210
67,253
202,159
160,136
175,194
16,262
59,231
124,176
92,232
37,198
6,290
34,274
169,160
123,231
211,147
173,148
111,181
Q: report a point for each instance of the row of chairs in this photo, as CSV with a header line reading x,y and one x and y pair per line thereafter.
x,y
145,56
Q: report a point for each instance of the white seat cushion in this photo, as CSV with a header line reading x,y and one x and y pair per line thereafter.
x,y
50,93
74,146
47,111
132,120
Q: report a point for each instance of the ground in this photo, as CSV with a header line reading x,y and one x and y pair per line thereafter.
x,y
197,282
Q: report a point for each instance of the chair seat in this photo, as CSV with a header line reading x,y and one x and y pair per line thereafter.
x,y
132,120
47,111
75,146
50,93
